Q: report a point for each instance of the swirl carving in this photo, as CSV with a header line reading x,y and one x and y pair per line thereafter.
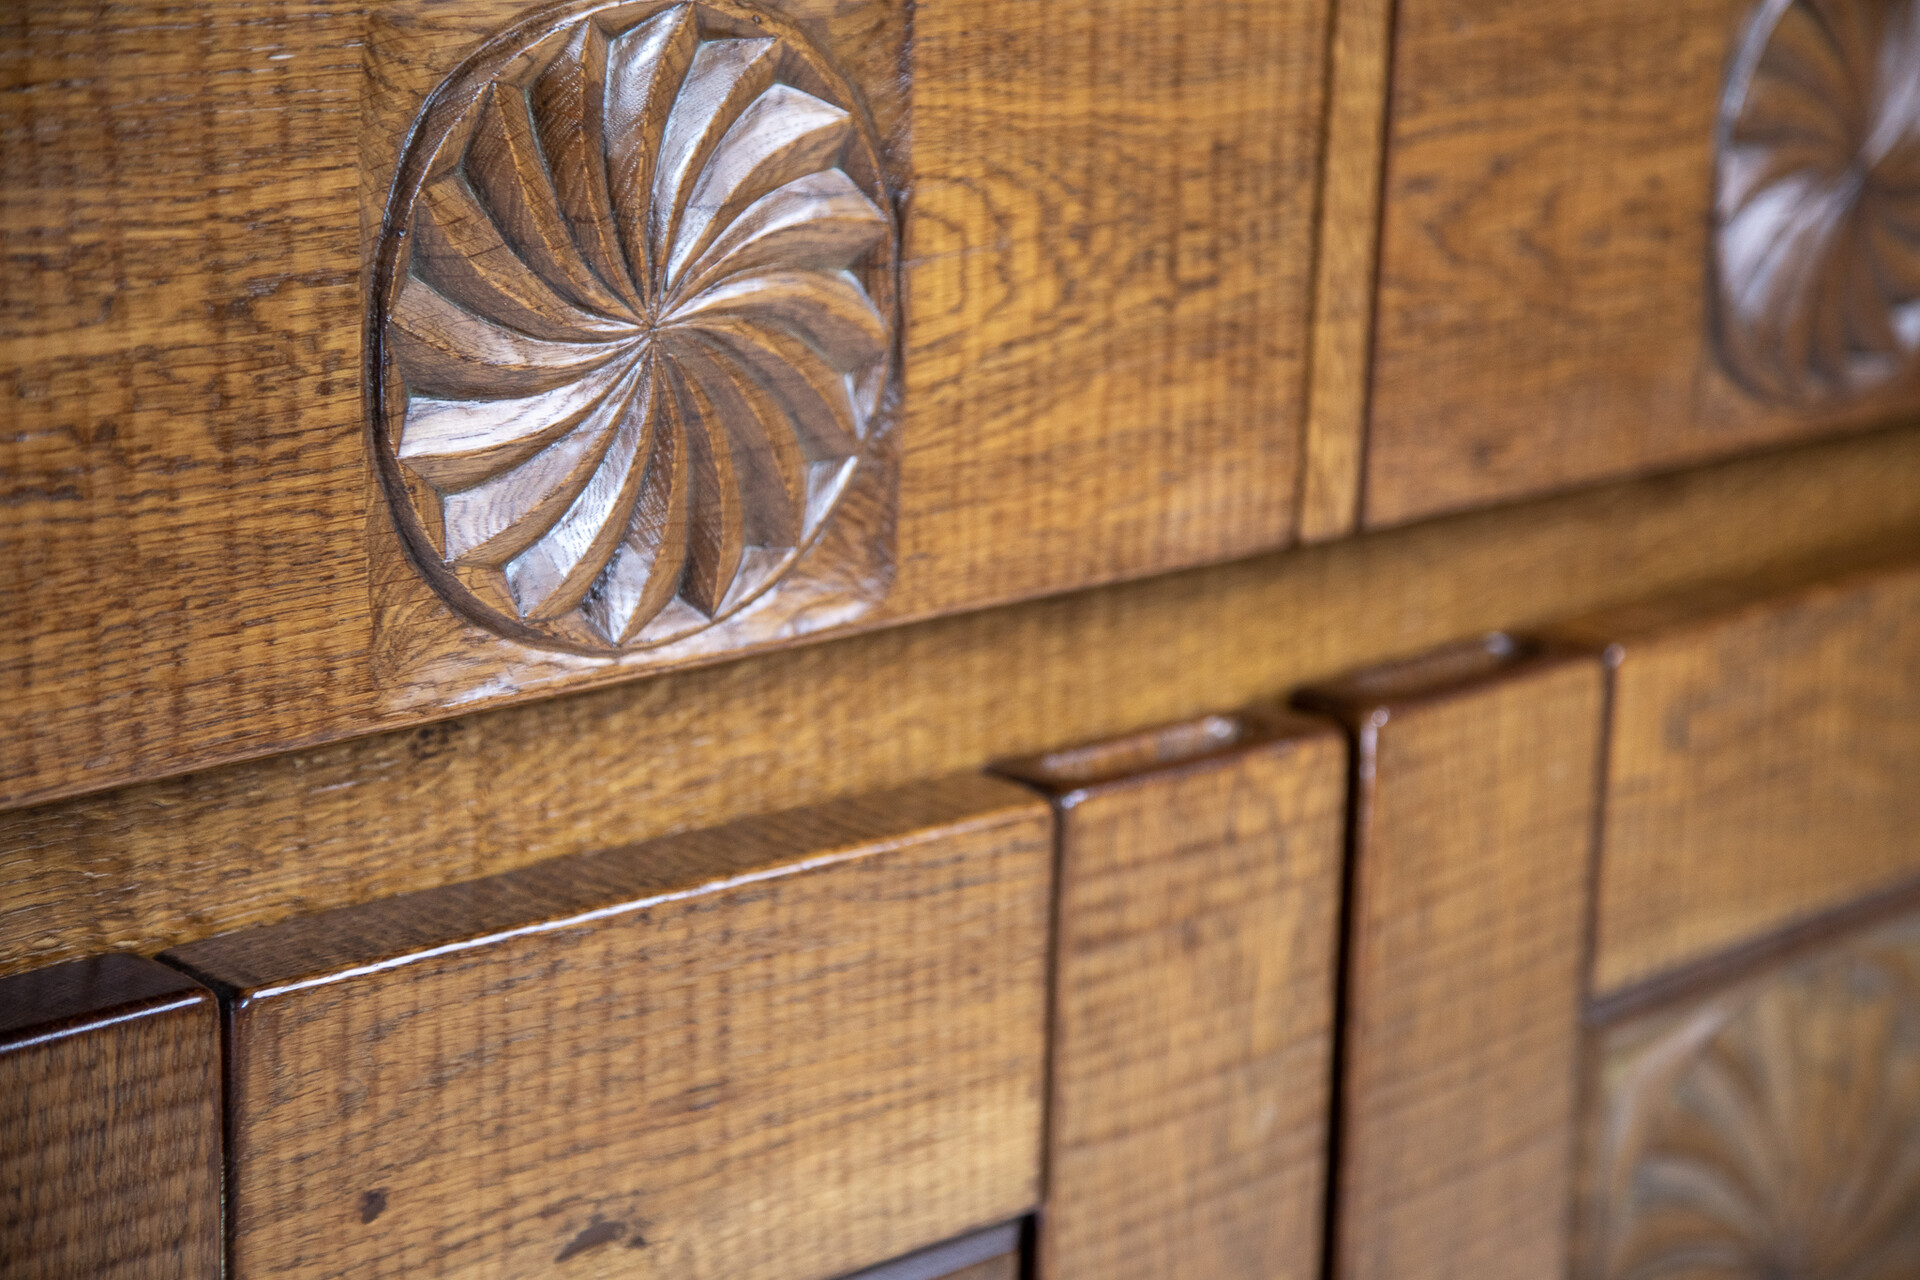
x,y
638,321
1816,249
1772,1133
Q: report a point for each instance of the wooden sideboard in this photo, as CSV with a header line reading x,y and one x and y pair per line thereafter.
x,y
809,639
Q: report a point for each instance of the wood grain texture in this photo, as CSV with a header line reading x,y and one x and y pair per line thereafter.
x,y
1108,274
1106,218
1544,301
1344,277
786,1048
109,1123
1477,769
160,864
1768,1128
1196,931
1762,764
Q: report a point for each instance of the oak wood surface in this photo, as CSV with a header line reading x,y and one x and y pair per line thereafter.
x,y
1106,211
1477,769
1344,278
1544,310
789,1047
151,866
109,1123
1198,898
1763,758
1788,1101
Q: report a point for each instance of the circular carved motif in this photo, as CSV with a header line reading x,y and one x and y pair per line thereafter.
x,y
1773,1134
635,320
1817,212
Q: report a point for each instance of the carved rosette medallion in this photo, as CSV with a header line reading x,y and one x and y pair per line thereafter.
x,y
634,321
1816,245
1771,1133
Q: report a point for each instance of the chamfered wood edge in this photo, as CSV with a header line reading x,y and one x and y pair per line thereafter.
x,y
1683,613
1339,362
1364,699
77,996
1072,773
578,888
938,1261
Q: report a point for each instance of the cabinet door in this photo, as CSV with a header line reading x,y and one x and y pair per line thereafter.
x,y
783,1049
1623,235
361,362
1631,978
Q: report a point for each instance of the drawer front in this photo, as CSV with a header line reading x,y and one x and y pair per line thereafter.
x,y
789,1049
370,364
1623,236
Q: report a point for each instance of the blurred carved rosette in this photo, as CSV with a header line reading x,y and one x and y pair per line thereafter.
x,y
1770,1131
635,320
1816,247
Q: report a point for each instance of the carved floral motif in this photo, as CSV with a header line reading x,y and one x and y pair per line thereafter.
x,y
1771,1132
639,322
1817,239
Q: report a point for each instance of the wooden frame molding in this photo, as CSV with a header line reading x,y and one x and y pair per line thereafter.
x,y
1476,774
1340,370
250,843
1194,960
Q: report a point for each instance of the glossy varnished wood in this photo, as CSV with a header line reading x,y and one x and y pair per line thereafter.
x,y
1476,771
1199,884
109,1123
159,864
1764,752
786,1048
1105,215
1547,289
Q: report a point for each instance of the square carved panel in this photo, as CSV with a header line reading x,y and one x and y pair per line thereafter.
x,y
379,362
1767,1128
634,320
